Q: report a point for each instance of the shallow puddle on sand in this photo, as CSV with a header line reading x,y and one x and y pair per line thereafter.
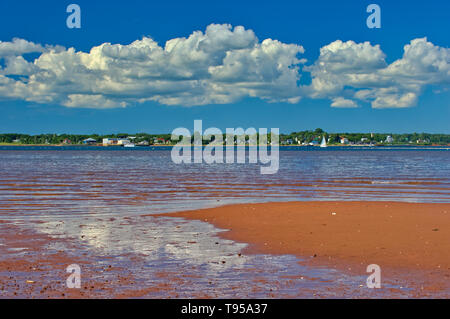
x,y
166,257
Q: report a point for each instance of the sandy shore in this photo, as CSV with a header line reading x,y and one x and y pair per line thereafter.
x,y
410,242
400,237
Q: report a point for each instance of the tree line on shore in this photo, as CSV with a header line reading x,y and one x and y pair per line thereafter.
x,y
294,138
368,138
55,139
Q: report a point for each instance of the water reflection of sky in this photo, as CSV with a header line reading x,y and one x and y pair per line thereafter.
x,y
201,262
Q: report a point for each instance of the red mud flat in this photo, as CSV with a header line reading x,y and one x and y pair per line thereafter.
x,y
33,266
30,269
409,241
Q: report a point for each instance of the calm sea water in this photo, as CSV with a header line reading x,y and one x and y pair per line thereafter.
x,y
71,180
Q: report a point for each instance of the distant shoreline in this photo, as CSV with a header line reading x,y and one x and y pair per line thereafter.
x,y
300,138
171,145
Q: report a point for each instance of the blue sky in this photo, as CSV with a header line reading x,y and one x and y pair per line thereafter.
x,y
310,24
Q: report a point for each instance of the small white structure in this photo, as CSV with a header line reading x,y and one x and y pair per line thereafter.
x,y
115,141
344,140
89,141
123,141
110,141
389,139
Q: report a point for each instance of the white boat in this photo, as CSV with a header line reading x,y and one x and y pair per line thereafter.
x,y
129,145
324,142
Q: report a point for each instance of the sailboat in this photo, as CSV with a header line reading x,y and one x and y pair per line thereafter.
x,y
324,142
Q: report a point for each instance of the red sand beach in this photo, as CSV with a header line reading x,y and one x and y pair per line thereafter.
x,y
409,241
400,237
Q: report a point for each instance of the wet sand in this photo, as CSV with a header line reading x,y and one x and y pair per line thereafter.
x,y
409,241
33,264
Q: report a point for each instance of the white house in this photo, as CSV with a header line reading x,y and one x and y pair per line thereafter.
x,y
110,141
389,139
115,141
123,141
89,141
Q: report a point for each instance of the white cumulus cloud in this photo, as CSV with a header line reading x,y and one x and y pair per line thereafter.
x,y
360,69
221,65
218,66
343,103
